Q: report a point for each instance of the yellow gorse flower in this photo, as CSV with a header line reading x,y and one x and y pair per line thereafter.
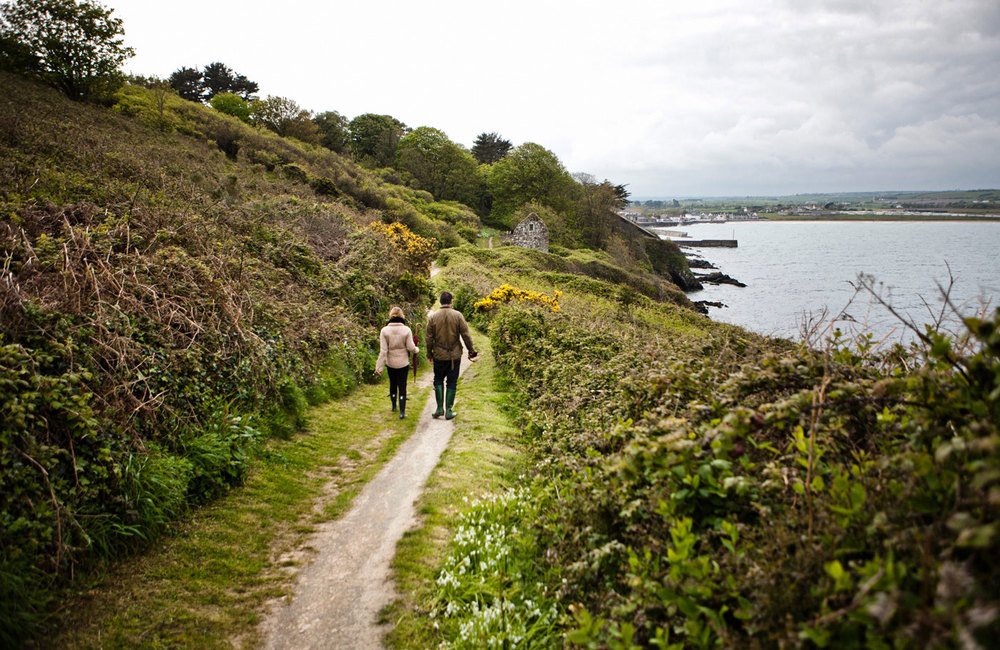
x,y
416,251
507,293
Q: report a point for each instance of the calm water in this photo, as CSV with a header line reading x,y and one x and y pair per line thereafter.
x,y
796,270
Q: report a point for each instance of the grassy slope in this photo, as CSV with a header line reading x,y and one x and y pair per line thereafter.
x,y
593,289
156,293
208,584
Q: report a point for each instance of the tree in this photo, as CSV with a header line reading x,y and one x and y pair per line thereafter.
x,y
333,130
438,165
285,117
528,173
490,147
302,128
220,78
188,84
77,47
232,104
160,90
214,79
374,138
595,218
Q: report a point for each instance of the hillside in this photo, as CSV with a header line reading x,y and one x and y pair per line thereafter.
x,y
178,286
175,287
695,485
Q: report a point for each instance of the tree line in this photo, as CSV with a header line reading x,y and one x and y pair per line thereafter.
x,y
78,47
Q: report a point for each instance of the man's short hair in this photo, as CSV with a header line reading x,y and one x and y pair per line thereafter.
x,y
446,297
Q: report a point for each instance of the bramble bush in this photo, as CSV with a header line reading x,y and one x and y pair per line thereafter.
x,y
724,490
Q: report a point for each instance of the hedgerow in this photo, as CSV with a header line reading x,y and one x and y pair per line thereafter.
x,y
167,301
723,490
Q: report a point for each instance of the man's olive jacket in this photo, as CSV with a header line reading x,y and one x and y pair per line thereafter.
x,y
446,329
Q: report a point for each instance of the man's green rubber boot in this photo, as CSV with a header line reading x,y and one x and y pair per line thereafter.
x,y
450,403
439,397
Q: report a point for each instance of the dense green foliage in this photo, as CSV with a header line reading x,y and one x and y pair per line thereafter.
x,y
187,82
334,134
697,486
174,286
285,117
76,46
439,166
529,172
232,104
374,138
217,78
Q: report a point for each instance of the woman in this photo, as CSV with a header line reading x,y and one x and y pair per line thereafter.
x,y
395,347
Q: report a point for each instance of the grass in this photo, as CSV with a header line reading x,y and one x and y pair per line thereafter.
x,y
208,584
486,233
484,457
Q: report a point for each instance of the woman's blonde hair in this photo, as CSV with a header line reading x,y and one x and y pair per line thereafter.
x,y
396,312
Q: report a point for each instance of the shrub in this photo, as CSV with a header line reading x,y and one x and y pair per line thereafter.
x,y
698,487
415,252
232,104
506,293
324,186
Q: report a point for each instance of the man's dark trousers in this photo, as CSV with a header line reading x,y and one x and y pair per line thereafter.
x,y
447,371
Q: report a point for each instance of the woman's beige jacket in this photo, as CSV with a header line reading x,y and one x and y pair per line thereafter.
x,y
395,346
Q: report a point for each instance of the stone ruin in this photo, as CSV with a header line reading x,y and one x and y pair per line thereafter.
x,y
530,233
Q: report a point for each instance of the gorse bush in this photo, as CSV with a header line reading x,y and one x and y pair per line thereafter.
x,y
716,489
415,253
506,293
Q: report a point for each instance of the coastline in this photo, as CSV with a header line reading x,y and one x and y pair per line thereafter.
x,y
797,268
846,216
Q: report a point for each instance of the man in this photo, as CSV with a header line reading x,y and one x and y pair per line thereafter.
x,y
446,330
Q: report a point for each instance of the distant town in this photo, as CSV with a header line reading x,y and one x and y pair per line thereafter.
x,y
965,204
663,221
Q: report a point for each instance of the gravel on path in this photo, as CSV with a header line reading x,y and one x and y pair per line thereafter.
x,y
338,596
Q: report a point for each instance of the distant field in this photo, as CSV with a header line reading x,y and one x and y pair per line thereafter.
x,y
848,216
958,204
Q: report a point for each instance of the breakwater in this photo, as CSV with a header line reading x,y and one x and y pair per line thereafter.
x,y
706,243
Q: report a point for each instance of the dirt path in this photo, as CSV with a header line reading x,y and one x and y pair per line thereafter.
x,y
338,596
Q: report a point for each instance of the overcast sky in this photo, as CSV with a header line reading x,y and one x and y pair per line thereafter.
x,y
671,97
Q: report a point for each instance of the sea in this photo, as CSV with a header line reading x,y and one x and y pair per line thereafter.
x,y
807,278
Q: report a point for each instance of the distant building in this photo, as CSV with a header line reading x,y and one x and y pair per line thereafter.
x,y
530,233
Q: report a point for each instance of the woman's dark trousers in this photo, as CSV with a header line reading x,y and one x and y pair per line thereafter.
x,y
397,386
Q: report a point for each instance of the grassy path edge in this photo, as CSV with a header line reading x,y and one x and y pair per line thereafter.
x,y
209,583
485,456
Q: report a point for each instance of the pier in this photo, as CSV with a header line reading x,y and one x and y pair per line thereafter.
x,y
706,243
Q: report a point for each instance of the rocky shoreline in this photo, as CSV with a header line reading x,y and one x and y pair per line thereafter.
x,y
716,277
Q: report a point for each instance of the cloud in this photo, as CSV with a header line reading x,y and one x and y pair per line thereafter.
x,y
819,92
